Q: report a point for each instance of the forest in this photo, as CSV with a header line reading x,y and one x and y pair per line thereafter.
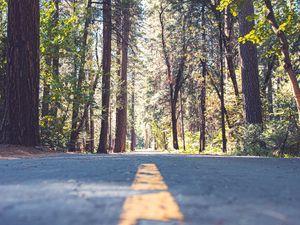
x,y
190,77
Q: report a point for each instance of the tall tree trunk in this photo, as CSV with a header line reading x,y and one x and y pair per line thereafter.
x,y
286,54
3,62
87,130
133,134
182,122
110,144
222,91
92,121
81,78
106,67
218,92
268,84
92,130
55,59
249,63
147,138
203,88
169,76
175,96
270,96
165,140
20,124
174,123
229,47
121,117
203,108
73,140
118,27
174,87
46,90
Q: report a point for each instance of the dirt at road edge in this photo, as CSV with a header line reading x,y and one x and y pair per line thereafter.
x,y
19,152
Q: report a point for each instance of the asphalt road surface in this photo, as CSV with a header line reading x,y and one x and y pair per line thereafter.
x,y
148,189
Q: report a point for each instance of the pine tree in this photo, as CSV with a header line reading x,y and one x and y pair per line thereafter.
x,y
20,124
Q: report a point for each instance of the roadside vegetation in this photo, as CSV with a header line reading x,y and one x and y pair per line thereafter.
x,y
190,77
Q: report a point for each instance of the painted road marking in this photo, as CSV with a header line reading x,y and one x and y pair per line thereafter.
x,y
148,177
158,206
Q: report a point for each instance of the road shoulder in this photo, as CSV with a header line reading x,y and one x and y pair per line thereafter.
x,y
11,152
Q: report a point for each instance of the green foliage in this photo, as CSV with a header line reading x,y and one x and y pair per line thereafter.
x,y
224,4
277,138
252,37
192,143
53,132
282,137
160,135
61,38
251,141
3,5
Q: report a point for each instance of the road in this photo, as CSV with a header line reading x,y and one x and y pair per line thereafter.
x,y
148,189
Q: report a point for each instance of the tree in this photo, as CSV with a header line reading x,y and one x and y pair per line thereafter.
x,y
106,67
133,117
51,61
175,78
203,87
228,33
81,77
249,67
20,124
222,91
3,45
55,57
279,32
121,117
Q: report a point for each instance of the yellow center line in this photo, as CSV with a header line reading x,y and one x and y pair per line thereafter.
x,y
148,177
158,206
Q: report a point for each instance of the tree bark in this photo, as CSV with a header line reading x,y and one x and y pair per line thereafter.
x,y
55,59
110,144
106,67
268,84
133,134
222,91
118,27
249,64
46,90
170,80
182,122
203,89
229,47
174,124
270,96
121,117
174,84
3,65
203,108
218,92
286,54
87,131
20,125
92,130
